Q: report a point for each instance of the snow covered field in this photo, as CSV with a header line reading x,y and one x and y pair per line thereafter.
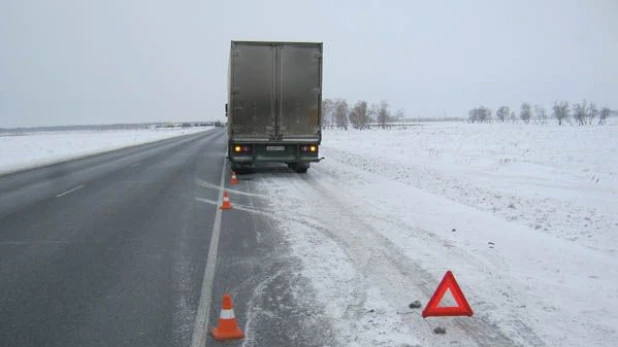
x,y
38,149
526,217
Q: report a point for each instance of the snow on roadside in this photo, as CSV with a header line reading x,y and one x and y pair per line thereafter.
x,y
358,309
40,149
560,180
378,223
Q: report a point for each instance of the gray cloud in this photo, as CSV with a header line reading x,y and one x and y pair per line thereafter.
x,y
84,62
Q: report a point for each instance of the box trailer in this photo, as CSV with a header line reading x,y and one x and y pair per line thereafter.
x,y
274,106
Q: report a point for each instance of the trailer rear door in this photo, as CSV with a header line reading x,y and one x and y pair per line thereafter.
x,y
300,79
253,89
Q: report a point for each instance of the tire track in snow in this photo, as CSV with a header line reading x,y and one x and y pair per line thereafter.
x,y
382,263
369,265
485,334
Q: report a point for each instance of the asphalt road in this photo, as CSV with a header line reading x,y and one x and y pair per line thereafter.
x,y
111,250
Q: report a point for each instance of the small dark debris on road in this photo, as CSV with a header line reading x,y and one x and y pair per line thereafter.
x,y
439,330
415,304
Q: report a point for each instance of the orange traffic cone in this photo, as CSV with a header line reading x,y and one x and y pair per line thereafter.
x,y
234,180
227,328
226,201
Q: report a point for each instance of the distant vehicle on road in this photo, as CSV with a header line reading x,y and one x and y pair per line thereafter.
x,y
274,104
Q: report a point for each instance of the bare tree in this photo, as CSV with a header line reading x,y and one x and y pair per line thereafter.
x,y
359,115
480,114
513,117
585,113
605,112
581,112
383,114
561,111
328,108
593,112
526,112
365,112
503,113
341,114
354,118
541,115
473,115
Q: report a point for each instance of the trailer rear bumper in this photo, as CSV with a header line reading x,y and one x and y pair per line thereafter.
x,y
249,160
248,153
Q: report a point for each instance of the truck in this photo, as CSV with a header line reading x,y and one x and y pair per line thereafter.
x,y
274,104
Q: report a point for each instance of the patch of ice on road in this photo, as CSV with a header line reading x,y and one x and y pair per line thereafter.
x,y
40,149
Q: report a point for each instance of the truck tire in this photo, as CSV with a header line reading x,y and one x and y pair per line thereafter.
x,y
241,169
301,167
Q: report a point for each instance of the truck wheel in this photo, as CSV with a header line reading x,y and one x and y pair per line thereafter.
x,y
241,169
301,167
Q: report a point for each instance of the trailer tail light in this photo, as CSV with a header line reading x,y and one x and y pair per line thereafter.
x,y
310,148
242,149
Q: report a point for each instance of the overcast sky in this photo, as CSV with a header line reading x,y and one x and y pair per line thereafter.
x,y
94,62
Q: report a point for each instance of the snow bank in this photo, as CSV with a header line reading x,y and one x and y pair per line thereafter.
x,y
39,149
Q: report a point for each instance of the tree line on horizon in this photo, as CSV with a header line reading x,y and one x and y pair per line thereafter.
x,y
582,113
337,113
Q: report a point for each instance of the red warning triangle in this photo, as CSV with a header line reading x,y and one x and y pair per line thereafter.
x,y
462,309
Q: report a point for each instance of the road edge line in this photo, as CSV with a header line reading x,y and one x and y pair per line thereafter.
x,y
198,338
67,192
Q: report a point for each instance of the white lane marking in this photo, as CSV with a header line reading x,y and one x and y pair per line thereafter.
x,y
208,201
230,190
70,191
245,208
203,311
136,164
